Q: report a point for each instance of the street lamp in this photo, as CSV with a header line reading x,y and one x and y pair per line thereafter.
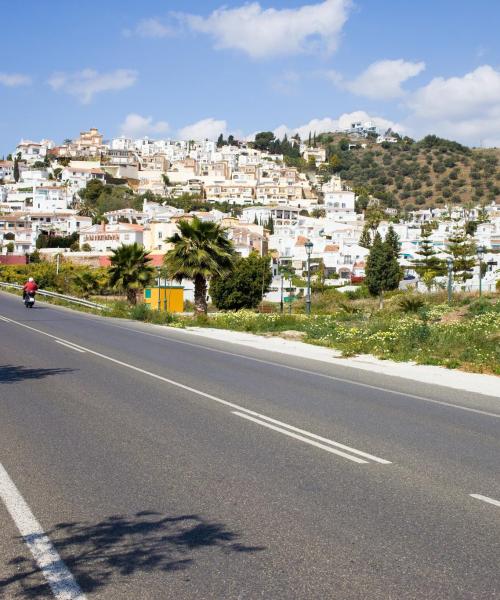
x,y
308,246
280,271
159,282
449,264
480,256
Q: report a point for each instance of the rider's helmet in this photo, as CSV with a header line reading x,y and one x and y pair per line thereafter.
x,y
31,280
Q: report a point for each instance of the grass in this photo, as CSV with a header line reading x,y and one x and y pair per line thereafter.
x,y
411,327
424,330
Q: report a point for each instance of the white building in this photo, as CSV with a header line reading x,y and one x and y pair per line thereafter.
x,y
105,238
47,198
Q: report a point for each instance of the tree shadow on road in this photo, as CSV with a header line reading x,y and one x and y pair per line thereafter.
x,y
119,546
14,374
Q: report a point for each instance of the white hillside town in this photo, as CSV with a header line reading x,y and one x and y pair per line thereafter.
x,y
265,206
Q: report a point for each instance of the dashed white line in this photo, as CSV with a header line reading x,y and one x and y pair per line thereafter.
x,y
485,499
57,574
77,349
301,438
232,405
303,432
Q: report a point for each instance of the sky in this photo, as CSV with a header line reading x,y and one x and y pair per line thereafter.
x,y
197,68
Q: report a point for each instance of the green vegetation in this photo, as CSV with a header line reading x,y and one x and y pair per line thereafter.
x,y
245,286
130,270
383,272
200,251
429,266
416,328
407,175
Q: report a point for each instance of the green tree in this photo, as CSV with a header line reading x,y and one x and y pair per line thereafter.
x,y
392,238
373,216
16,170
245,286
365,239
220,141
201,251
462,249
430,265
130,270
382,269
87,283
263,140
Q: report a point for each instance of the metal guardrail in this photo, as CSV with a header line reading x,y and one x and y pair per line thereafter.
x,y
81,301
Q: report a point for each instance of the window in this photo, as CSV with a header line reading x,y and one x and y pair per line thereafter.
x,y
160,235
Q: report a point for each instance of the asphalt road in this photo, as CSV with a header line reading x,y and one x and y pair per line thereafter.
x,y
162,466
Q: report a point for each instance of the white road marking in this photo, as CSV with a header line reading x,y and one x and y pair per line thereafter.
x,y
301,438
196,391
297,369
309,372
69,346
325,440
486,499
61,581
3,319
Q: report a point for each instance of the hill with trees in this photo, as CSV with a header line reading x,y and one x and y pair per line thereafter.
x,y
405,174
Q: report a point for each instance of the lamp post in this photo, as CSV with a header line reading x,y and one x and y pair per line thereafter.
x,y
159,281
308,246
280,269
449,264
480,256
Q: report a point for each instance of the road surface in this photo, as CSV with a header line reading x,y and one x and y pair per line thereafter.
x,y
139,462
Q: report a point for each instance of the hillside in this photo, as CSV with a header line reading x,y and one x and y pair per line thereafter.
x,y
409,174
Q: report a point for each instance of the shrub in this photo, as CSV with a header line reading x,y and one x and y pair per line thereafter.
x,y
411,304
140,312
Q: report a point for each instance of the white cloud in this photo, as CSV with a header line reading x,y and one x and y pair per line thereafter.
x,y
342,122
206,129
382,79
286,83
14,79
151,28
465,108
263,33
88,82
136,126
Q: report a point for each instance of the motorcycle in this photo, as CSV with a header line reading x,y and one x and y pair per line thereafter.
x,y
29,299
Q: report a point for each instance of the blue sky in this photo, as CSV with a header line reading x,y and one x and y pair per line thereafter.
x,y
194,68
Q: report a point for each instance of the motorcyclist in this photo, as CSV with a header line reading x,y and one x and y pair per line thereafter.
x,y
30,287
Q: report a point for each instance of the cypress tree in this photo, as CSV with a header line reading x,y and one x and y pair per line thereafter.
x,y
365,239
382,269
16,170
392,239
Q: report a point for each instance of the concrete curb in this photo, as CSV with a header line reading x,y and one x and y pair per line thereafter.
x,y
488,385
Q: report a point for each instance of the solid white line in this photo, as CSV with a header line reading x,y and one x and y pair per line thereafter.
x,y
296,369
61,581
308,371
69,346
326,440
192,390
301,438
485,499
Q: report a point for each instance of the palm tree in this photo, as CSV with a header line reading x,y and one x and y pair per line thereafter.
x,y
130,270
200,251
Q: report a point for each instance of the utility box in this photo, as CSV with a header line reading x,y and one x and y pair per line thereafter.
x,y
166,298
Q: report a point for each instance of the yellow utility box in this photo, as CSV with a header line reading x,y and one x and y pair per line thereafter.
x,y
167,298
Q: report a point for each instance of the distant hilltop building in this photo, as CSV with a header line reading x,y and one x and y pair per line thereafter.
x,y
363,129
